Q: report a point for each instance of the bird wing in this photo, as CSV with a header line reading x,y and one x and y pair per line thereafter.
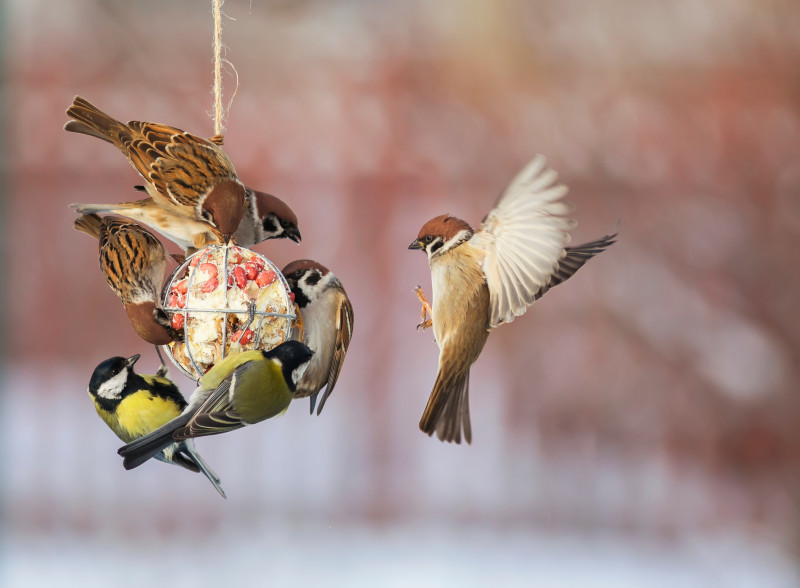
x,y
344,332
133,260
216,414
179,166
523,238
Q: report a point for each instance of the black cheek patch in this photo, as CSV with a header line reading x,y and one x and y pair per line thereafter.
x,y
299,298
313,278
270,224
437,245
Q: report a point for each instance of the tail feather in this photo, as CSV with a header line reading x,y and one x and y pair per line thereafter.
x,y
91,224
447,412
576,256
139,451
115,208
187,451
90,120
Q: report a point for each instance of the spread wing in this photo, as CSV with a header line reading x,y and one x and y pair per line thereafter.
x,y
523,238
344,332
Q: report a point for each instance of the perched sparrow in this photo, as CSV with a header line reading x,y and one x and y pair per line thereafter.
x,y
133,262
184,174
327,317
265,217
133,405
484,279
243,389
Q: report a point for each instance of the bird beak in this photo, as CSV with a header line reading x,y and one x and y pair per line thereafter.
x,y
416,244
132,360
293,233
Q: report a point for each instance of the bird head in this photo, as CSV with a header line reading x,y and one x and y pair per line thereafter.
x,y
276,219
110,377
441,234
224,206
294,358
307,280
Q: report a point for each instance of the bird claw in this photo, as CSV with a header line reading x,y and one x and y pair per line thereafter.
x,y
425,322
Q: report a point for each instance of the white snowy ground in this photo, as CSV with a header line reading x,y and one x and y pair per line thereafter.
x,y
71,516
396,557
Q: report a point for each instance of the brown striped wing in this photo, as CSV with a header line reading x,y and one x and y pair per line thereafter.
x,y
180,166
132,259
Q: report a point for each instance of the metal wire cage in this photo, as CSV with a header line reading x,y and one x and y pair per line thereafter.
x,y
250,307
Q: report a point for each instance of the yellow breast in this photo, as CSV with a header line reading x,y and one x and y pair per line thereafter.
x,y
138,414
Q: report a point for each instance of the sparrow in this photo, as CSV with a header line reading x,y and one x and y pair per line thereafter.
x,y
133,262
133,405
327,318
243,389
265,217
482,279
183,173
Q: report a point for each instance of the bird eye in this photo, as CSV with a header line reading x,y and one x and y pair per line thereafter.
x,y
206,214
428,238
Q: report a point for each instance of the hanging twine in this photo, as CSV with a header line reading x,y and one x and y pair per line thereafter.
x,y
219,112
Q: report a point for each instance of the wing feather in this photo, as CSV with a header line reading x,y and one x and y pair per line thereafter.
x,y
344,332
523,238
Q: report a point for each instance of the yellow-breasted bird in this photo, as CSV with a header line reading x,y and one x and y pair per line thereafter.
x,y
243,389
133,405
133,262
183,173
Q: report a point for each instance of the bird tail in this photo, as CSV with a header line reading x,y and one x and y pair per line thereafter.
x,y
447,412
139,451
185,450
91,224
90,120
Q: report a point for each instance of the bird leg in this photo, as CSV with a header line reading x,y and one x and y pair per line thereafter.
x,y
425,322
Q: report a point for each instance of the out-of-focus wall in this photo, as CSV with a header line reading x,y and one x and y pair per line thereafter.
x,y
654,393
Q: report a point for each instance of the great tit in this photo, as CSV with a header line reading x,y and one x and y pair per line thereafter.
x,y
133,405
244,388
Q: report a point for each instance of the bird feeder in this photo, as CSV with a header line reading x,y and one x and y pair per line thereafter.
x,y
225,299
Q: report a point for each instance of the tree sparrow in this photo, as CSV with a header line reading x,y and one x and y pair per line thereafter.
x,y
327,319
133,262
184,174
486,278
265,217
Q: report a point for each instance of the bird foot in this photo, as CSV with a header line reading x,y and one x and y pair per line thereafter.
x,y
425,322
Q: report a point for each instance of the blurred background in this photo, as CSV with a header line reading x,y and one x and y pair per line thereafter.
x,y
637,427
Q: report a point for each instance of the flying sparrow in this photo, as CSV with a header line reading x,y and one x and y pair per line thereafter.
x,y
133,262
327,319
265,217
184,174
486,278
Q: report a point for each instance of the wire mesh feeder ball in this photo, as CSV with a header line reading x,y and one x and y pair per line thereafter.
x,y
224,296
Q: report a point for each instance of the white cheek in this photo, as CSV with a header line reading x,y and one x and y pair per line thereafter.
x,y
298,372
112,388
